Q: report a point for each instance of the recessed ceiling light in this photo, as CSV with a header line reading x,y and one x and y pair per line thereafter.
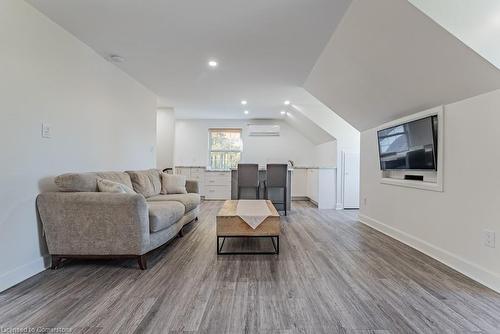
x,y
286,102
213,63
244,102
246,112
116,59
283,112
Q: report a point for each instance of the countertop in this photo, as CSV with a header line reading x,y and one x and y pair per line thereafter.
x,y
262,168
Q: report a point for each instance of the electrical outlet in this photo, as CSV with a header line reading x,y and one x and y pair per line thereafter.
x,y
489,238
46,130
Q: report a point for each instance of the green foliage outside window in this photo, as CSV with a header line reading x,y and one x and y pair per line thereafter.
x,y
225,148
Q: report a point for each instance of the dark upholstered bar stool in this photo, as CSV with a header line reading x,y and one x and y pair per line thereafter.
x,y
248,177
277,178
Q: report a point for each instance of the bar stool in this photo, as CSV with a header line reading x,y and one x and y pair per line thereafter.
x,y
277,178
248,177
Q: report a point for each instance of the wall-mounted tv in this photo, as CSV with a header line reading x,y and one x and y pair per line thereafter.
x,y
409,146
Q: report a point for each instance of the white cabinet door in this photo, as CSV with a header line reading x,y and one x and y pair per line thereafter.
x,y
218,185
314,185
299,183
326,188
218,192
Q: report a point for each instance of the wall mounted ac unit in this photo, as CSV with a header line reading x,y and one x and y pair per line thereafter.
x,y
263,130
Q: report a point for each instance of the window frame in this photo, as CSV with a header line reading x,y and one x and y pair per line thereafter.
x,y
210,150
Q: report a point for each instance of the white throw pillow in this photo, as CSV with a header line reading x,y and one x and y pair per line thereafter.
x,y
107,186
173,184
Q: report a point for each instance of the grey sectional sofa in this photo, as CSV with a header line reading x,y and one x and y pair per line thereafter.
x,y
80,222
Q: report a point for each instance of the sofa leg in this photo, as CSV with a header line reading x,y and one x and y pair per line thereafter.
x,y
181,233
143,261
55,262
196,219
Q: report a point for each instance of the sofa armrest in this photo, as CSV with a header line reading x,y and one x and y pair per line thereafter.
x,y
192,186
93,223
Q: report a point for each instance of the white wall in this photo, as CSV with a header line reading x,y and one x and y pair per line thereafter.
x,y
191,143
446,225
101,119
325,155
165,136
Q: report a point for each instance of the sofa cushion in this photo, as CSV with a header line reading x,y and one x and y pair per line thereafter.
x,y
87,182
120,177
190,201
164,214
146,182
173,184
108,186
76,182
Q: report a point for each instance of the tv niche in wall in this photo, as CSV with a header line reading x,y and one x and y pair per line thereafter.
x,y
410,150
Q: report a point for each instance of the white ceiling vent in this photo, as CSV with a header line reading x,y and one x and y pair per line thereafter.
x,y
263,130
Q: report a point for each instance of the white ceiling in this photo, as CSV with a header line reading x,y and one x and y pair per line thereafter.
x,y
476,23
387,59
265,48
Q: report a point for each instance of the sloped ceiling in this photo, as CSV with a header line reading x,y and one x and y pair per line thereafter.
x,y
265,48
476,23
307,127
387,59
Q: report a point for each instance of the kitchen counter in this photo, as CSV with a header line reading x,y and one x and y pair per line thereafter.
x,y
314,167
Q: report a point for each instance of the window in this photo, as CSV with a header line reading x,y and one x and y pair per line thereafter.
x,y
225,148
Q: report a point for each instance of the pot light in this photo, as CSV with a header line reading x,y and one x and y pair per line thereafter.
x,y
116,59
283,112
286,102
246,112
213,63
244,102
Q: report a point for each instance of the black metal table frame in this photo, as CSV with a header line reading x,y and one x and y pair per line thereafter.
x,y
276,244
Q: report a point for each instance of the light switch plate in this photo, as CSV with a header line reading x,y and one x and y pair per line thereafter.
x,y
46,130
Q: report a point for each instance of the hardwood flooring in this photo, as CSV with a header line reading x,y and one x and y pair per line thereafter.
x,y
333,275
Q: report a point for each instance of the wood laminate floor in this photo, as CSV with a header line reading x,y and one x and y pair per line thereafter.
x,y
333,275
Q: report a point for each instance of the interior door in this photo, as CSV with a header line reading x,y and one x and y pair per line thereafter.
x,y
351,180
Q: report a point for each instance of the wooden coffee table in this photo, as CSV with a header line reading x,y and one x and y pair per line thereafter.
x,y
229,225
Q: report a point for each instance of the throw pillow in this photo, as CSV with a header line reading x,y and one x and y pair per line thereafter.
x,y
173,184
107,186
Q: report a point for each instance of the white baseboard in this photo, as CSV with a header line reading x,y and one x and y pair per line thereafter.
x,y
477,273
23,272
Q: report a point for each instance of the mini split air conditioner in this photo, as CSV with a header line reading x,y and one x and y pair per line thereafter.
x,y
263,130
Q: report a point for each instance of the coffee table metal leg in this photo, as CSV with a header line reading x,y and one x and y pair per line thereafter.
x,y
276,245
219,249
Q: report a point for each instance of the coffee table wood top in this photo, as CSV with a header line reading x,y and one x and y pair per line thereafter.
x,y
230,224
229,208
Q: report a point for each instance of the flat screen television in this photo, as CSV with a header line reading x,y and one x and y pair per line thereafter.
x,y
409,146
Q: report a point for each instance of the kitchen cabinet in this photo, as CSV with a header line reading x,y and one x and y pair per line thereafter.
x,y
217,185
299,183
317,184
